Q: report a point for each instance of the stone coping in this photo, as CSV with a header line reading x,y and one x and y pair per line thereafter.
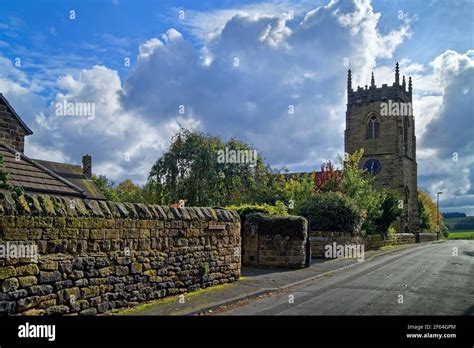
x,y
51,205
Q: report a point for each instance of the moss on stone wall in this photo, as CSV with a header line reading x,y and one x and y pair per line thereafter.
x,y
99,255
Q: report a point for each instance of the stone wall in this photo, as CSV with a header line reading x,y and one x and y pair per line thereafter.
x,y
319,240
376,241
426,237
274,241
97,255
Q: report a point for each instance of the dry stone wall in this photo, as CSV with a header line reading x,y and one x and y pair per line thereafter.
x,y
96,255
426,237
319,240
376,241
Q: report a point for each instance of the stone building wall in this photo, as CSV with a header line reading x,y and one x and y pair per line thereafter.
x,y
395,146
95,255
274,241
11,131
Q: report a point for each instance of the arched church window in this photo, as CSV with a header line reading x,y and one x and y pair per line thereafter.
x,y
373,126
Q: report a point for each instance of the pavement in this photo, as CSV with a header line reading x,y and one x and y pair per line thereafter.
x,y
263,291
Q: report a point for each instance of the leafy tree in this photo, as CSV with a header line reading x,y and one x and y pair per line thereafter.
x,y
379,208
106,186
360,188
390,212
429,213
127,191
297,190
191,170
328,179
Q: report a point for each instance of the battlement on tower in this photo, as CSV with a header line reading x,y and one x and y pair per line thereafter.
x,y
396,91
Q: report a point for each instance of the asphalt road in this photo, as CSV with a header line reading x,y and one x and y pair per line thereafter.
x,y
427,281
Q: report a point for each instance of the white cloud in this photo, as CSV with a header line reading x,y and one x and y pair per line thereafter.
x,y
446,137
282,62
207,25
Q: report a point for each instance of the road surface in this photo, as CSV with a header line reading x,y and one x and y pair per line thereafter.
x,y
437,279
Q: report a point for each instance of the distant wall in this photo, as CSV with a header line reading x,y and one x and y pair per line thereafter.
x,y
96,256
426,237
274,241
319,240
376,241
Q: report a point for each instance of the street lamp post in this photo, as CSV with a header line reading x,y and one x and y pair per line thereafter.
x,y
437,213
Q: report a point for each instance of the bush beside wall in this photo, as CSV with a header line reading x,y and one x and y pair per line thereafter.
x,y
330,211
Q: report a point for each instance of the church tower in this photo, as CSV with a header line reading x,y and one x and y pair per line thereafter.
x,y
380,120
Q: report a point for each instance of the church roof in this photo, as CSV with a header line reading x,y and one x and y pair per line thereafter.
x,y
15,115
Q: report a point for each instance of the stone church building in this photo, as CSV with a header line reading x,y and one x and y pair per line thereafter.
x,y
380,120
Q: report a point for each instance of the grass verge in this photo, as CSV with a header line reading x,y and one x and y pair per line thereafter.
x,y
168,299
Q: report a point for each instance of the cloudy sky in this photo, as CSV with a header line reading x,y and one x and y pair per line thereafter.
x,y
235,69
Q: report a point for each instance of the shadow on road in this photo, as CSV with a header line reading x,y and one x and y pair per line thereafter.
x,y
468,253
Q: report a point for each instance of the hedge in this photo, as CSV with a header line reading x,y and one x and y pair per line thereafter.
x,y
330,211
246,209
295,227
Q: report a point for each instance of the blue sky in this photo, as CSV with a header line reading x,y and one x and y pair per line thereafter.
x,y
289,53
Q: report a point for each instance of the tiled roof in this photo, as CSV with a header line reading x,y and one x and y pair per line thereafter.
x,y
73,173
33,177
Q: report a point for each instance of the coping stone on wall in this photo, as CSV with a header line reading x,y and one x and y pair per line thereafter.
x,y
47,205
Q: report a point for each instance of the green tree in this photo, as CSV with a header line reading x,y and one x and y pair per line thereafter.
x,y
390,212
379,208
106,186
429,213
193,169
127,191
297,190
359,187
